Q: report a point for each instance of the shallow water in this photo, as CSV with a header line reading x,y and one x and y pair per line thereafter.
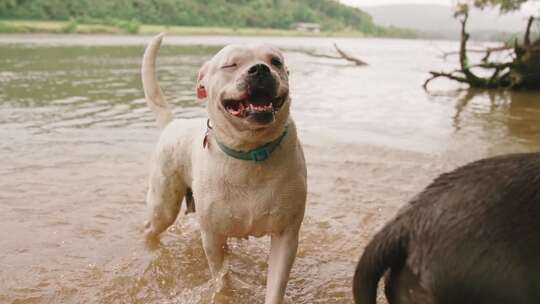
x,y
76,137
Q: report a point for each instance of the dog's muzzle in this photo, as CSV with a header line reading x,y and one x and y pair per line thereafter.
x,y
261,101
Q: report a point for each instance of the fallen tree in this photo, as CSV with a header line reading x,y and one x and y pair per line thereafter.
x,y
522,72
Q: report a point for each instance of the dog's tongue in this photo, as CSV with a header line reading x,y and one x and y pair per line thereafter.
x,y
238,111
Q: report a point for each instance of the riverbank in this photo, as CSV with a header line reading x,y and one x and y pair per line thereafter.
x,y
127,27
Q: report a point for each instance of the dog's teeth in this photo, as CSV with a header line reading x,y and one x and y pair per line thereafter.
x,y
258,108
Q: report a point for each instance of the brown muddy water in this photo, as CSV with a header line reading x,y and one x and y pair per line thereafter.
x,y
76,137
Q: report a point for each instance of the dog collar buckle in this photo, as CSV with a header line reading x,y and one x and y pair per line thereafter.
x,y
260,154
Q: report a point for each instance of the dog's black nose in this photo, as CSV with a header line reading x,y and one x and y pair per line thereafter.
x,y
259,70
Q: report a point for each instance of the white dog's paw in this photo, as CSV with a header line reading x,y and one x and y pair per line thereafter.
x,y
222,285
287,300
223,293
222,297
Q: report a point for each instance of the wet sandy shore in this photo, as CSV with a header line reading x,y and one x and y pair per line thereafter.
x,y
68,243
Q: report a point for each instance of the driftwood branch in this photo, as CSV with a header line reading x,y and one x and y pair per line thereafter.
x,y
342,56
527,38
349,58
496,73
492,65
463,58
435,75
487,51
317,55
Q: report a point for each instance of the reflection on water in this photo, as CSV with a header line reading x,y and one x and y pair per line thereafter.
x,y
86,86
513,115
76,138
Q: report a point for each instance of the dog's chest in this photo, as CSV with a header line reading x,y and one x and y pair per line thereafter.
x,y
249,200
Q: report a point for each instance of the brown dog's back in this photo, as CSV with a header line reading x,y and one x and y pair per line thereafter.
x,y
472,236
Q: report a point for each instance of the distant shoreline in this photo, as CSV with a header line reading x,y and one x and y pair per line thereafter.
x,y
65,27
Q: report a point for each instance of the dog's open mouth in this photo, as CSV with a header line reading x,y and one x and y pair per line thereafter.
x,y
259,110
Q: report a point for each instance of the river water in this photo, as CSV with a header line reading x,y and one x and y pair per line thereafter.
x,y
76,138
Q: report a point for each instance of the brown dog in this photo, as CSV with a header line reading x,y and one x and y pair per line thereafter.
x,y
472,236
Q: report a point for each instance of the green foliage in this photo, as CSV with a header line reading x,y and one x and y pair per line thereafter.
x,y
280,14
6,28
7,4
71,26
503,5
131,26
396,32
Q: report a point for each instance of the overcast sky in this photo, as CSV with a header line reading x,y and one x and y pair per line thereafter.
x,y
529,8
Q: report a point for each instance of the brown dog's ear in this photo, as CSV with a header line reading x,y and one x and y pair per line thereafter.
x,y
201,89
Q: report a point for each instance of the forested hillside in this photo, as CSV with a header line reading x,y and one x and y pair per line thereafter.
x,y
332,15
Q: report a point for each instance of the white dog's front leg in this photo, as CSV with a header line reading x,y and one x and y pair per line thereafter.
x,y
282,254
165,194
214,248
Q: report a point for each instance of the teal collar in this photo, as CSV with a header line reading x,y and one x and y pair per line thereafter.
x,y
258,154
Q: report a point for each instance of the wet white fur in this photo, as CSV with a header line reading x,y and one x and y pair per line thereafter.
x,y
233,198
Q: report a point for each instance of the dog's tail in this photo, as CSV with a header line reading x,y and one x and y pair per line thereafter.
x,y
152,92
386,250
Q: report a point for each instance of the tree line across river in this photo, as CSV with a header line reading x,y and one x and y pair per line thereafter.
x,y
331,15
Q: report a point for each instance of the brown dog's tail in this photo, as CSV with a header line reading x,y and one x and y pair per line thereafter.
x,y
152,92
386,250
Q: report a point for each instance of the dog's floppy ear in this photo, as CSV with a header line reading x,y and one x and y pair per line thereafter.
x,y
201,89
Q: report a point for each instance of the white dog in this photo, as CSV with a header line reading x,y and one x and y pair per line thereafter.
x,y
245,173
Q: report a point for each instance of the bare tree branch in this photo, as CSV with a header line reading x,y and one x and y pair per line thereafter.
x,y
527,38
349,58
487,50
316,55
435,75
521,72
342,55
492,65
463,59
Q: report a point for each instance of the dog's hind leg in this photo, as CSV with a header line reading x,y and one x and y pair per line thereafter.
x,y
165,194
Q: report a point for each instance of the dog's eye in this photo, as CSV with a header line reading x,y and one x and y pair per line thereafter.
x,y
276,62
230,65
